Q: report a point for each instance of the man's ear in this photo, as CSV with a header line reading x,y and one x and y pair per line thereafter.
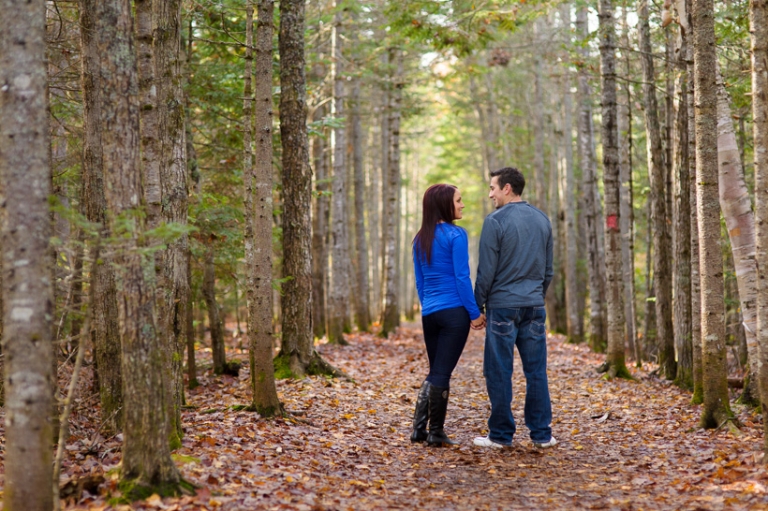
x,y
508,189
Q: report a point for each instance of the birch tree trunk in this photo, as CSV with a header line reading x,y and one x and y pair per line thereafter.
x,y
147,463
662,281
338,296
627,213
105,328
614,364
736,205
575,320
716,409
174,283
758,23
391,318
362,305
258,207
592,213
25,179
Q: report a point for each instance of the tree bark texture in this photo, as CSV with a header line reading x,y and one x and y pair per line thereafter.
x,y
682,241
662,273
174,282
592,212
25,179
612,186
320,217
716,408
538,120
736,206
105,327
338,294
297,343
698,375
362,305
214,317
381,186
149,122
146,455
575,320
758,23
259,212
627,216
391,314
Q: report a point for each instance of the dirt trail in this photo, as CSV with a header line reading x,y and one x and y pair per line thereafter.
x,y
623,444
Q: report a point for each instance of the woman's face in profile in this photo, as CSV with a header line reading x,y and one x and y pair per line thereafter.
x,y
457,205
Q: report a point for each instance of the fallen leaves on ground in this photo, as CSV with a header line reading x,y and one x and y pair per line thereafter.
x,y
623,444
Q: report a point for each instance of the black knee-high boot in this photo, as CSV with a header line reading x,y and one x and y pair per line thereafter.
x,y
438,405
421,414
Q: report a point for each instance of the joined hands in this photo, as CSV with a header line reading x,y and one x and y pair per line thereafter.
x,y
478,323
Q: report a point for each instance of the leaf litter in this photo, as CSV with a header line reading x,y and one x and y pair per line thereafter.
x,y
623,445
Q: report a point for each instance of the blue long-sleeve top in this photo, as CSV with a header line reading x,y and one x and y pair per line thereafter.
x,y
444,283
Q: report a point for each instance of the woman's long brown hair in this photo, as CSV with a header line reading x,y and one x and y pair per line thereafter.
x,y
437,206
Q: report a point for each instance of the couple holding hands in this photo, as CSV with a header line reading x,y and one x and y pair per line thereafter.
x,y
513,273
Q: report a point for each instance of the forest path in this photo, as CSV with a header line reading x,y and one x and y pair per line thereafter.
x,y
623,444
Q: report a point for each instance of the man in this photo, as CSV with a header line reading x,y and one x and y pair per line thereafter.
x,y
513,273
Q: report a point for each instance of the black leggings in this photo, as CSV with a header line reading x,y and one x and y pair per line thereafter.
x,y
445,334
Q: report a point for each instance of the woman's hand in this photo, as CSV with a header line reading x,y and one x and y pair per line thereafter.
x,y
478,323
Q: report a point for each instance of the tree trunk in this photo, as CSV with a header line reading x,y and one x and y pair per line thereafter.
x,y
147,462
661,265
627,215
362,306
614,364
174,290
758,22
194,177
592,213
572,298
215,325
682,239
190,319
320,232
25,179
258,208
538,121
297,350
391,318
338,296
716,409
149,112
105,327
736,205
649,327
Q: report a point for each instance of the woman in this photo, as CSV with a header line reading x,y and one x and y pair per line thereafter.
x,y
441,262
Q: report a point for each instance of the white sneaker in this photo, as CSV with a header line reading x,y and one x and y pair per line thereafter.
x,y
552,442
484,441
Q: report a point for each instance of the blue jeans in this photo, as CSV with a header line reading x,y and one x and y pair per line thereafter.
x,y
526,328
445,334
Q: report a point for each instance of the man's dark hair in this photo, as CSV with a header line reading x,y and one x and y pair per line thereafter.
x,y
511,176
